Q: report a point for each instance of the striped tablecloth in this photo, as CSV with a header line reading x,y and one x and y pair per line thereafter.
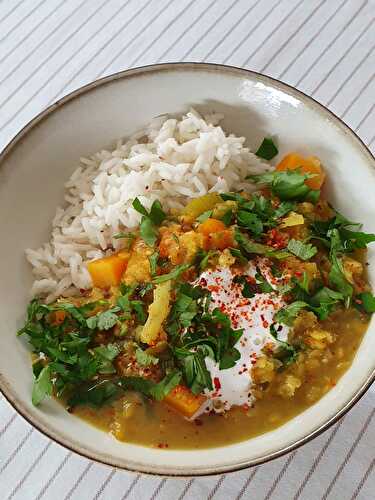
x,y
323,47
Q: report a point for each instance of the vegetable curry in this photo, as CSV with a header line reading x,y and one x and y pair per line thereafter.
x,y
214,324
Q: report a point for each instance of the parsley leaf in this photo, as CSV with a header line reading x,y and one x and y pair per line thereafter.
x,y
263,284
129,237
285,352
227,217
368,302
153,260
337,278
149,220
148,231
288,314
42,386
105,354
94,395
145,359
202,258
252,247
150,388
302,250
204,216
287,185
174,274
248,289
250,221
267,150
196,375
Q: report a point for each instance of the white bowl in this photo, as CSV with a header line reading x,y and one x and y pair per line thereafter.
x,y
37,162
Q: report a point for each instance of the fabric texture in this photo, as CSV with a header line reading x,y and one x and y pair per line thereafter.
x,y
324,48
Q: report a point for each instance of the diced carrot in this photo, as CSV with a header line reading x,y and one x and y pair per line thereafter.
x,y
219,240
211,226
107,271
184,401
310,165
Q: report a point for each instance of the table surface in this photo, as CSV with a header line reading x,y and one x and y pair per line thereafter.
x,y
323,47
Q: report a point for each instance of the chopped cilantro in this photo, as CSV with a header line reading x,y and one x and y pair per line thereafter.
x,y
288,184
263,284
145,359
153,260
129,237
105,354
267,150
174,274
227,217
304,251
285,352
150,388
95,395
248,289
149,220
42,387
288,314
250,221
204,216
368,302
252,247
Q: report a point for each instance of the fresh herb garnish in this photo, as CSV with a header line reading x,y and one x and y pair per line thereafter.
x,y
42,387
145,359
285,352
367,301
304,251
204,216
288,314
267,150
251,247
248,289
263,284
155,390
71,360
173,275
250,221
150,220
288,184
153,260
227,217
129,237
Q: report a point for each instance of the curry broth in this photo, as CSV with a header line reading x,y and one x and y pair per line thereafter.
x,y
154,424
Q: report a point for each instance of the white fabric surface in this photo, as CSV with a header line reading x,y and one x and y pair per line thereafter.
x,y
323,47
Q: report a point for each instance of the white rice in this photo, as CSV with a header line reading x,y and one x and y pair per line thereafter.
x,y
171,160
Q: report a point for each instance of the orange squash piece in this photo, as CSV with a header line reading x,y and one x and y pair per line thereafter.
x,y
58,317
310,165
184,401
219,241
211,226
107,271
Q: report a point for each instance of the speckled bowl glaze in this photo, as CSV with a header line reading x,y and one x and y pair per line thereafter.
x,y
41,157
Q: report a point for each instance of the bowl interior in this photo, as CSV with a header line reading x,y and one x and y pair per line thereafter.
x,y
37,164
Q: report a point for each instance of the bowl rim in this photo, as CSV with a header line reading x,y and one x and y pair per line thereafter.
x,y
5,389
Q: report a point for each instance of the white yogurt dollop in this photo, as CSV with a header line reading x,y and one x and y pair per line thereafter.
x,y
232,386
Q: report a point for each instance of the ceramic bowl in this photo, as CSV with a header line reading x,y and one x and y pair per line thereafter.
x,y
38,161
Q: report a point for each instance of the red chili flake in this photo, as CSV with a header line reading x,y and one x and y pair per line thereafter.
x,y
217,383
298,274
203,282
265,324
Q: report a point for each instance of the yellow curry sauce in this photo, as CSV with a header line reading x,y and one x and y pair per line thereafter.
x,y
152,352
